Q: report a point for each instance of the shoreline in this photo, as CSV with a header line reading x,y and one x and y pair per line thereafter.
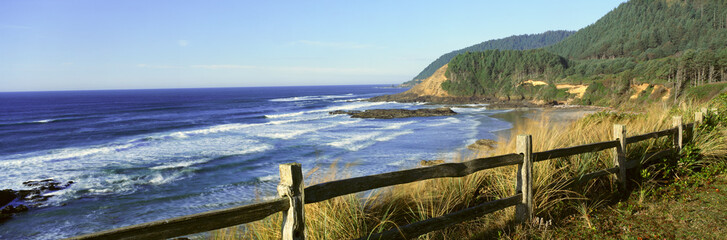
x,y
491,103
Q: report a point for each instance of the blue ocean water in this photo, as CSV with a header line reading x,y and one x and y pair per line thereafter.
x,y
143,155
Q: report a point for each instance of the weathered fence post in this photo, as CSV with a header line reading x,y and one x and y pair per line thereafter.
x,y
698,118
291,186
714,111
524,210
619,155
679,135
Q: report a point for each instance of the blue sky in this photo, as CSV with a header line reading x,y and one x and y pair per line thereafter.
x,y
85,44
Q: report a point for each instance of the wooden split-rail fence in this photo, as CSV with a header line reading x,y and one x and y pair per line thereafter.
x,y
293,196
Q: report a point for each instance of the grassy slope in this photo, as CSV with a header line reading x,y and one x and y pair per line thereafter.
x,y
672,212
352,216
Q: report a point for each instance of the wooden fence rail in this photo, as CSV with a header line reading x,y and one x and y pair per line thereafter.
x,y
293,196
328,190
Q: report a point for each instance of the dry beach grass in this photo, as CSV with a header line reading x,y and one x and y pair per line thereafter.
x,y
355,216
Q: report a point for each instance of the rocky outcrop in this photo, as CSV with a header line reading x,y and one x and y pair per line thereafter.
x,y
8,211
7,196
483,145
34,195
427,163
397,113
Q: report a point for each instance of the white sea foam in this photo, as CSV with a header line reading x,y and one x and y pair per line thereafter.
x,y
357,120
268,178
351,106
310,98
218,129
289,134
182,164
469,109
391,136
393,126
351,100
62,154
94,168
356,142
45,121
446,121
396,163
284,115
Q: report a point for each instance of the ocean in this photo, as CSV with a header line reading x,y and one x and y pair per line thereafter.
x,y
143,155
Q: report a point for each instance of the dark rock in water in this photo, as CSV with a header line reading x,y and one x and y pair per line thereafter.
x,y
7,196
343,112
8,211
47,184
397,113
430,162
33,195
39,187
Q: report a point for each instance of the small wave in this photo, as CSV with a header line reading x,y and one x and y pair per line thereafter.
x,y
392,136
446,121
310,98
352,106
45,121
42,121
268,178
159,179
67,153
469,109
284,115
183,164
397,163
286,135
213,129
393,126
438,124
357,120
350,100
356,142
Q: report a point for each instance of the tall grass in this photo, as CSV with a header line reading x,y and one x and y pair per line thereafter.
x,y
358,215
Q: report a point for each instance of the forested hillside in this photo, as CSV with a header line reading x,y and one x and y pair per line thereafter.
x,y
650,29
519,42
498,73
678,44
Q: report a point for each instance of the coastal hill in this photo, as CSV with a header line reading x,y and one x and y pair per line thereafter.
x,y
645,30
517,42
656,50
432,85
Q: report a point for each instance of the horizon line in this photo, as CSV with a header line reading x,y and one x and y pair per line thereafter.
x,y
183,88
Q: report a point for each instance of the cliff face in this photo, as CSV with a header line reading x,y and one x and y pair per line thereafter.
x,y
429,90
432,86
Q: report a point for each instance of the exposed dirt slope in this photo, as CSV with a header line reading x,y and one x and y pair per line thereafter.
x,y
432,86
638,89
578,90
